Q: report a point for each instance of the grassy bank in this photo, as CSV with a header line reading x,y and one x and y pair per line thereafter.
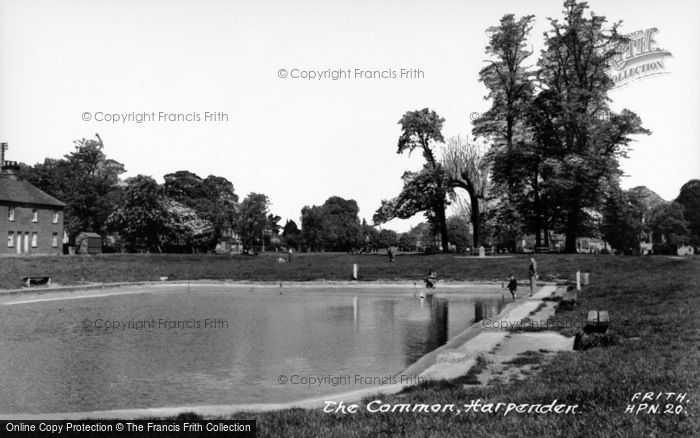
x,y
70,270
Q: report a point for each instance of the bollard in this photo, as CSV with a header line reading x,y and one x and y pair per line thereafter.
x,y
584,279
578,280
354,271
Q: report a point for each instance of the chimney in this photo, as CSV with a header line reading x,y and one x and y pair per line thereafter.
x,y
3,148
10,170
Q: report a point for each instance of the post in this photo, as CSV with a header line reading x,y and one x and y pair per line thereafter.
x,y
354,271
578,280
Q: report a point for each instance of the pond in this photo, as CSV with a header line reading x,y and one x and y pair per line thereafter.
x,y
215,345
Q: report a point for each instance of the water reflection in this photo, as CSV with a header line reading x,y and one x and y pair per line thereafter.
x,y
50,363
487,309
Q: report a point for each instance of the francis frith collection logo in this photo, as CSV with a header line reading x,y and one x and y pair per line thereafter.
x,y
638,58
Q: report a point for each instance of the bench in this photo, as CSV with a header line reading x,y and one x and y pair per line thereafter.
x,y
597,322
36,281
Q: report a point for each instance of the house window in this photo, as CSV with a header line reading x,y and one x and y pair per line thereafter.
x,y
55,217
10,239
54,240
35,239
35,215
11,213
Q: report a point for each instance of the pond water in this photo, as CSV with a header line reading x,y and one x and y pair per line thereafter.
x,y
181,346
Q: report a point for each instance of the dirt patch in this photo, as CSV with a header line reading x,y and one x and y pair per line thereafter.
x,y
521,355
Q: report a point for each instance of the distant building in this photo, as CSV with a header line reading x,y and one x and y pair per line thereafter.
x,y
31,219
229,242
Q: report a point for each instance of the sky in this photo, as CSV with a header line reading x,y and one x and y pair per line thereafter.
x,y
66,67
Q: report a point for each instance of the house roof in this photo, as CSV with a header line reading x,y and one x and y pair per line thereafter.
x,y
85,234
22,192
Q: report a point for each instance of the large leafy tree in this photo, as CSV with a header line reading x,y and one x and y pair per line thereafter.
x,y
212,198
510,91
555,144
622,224
291,235
422,191
222,207
341,224
421,129
387,238
183,229
252,220
458,227
587,139
85,179
333,226
312,228
668,224
139,219
505,127
185,187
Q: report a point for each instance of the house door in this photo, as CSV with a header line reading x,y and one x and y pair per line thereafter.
x,y
26,243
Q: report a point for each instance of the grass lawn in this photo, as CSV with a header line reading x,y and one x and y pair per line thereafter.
x,y
654,305
70,270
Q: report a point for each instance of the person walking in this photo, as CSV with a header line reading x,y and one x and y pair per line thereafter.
x,y
532,271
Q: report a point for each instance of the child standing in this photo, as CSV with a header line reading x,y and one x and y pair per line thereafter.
x,y
512,286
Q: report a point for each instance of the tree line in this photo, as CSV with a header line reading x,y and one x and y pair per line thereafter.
x,y
187,213
184,214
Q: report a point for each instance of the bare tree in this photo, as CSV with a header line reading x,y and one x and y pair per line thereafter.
x,y
468,169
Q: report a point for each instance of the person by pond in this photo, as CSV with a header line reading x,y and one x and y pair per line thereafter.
x,y
512,286
390,252
290,251
431,279
532,271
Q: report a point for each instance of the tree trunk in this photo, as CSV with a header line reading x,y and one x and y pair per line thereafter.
x,y
442,223
474,200
537,207
571,231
